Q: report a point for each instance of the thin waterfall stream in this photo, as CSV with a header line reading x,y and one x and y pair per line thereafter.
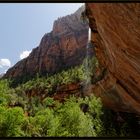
x,y
88,56
87,65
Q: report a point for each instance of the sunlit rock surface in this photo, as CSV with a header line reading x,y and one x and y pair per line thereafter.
x,y
116,35
62,48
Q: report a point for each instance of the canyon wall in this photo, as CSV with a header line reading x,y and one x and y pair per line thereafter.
x,y
116,37
62,48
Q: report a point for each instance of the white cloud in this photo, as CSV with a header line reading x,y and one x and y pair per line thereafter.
x,y
5,71
24,54
5,62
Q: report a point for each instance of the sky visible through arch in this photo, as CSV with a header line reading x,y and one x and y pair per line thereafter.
x,y
23,25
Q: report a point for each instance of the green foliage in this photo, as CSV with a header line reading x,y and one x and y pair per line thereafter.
x,y
48,102
45,123
95,111
4,90
64,120
49,84
11,120
52,118
73,121
24,115
14,82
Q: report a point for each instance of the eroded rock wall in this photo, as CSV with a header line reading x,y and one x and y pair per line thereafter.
x,y
116,36
62,48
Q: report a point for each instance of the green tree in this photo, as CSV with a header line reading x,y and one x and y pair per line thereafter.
x,y
11,120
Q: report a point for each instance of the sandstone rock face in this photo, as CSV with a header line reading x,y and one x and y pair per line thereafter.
x,y
116,36
62,48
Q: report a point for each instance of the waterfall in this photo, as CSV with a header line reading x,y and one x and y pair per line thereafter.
x,y
87,65
89,35
89,62
88,56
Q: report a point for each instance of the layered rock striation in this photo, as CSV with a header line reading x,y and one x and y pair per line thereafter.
x,y
116,36
62,48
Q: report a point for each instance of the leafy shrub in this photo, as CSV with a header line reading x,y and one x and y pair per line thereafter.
x,y
73,121
64,119
11,120
4,89
48,102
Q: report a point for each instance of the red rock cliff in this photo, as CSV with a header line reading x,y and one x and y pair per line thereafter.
x,y
116,36
62,48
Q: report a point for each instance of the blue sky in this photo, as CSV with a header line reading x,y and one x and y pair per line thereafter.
x,y
23,25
